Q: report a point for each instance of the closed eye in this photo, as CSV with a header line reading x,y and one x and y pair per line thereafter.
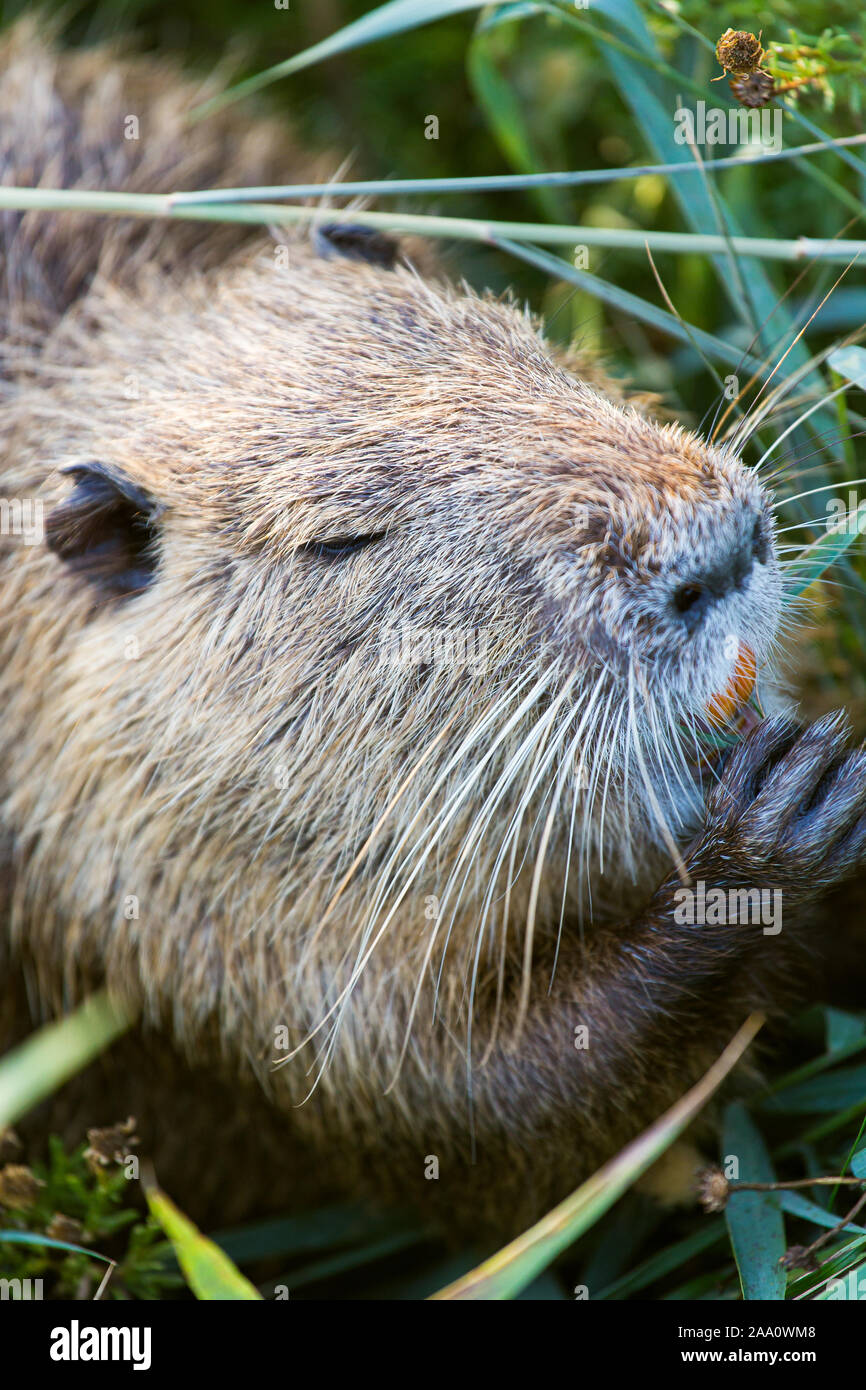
x,y
336,546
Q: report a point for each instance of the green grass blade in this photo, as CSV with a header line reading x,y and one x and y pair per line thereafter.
x,y
496,98
846,1288
515,1266
498,183
357,1257
38,1066
326,1228
714,348
29,1238
461,228
384,22
665,1262
831,185
815,559
817,1065
796,114
651,101
843,1258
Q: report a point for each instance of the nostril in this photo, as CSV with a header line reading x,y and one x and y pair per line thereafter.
x,y
760,545
687,595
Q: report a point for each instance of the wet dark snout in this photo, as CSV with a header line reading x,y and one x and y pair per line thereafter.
x,y
716,579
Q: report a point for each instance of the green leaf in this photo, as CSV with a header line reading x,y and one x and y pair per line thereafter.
x,y
493,16
850,362
755,1222
207,1269
826,1094
843,1028
818,1065
797,1205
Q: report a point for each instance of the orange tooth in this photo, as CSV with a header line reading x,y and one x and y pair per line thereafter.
x,y
722,707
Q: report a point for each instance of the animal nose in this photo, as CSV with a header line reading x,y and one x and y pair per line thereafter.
x,y
695,596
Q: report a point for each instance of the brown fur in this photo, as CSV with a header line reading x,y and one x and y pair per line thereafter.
x,y
228,745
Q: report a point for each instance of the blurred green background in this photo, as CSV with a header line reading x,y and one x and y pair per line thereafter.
x,y
556,107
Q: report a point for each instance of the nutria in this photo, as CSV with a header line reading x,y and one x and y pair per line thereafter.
x,y
353,699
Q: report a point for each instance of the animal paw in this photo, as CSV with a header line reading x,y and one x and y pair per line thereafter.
x,y
789,810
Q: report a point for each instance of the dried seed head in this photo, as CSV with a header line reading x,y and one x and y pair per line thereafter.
x,y
19,1187
110,1145
66,1228
713,1189
739,52
755,89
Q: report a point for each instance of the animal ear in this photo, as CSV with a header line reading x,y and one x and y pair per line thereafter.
x,y
356,243
106,529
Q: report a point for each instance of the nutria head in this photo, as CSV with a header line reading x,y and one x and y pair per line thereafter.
x,y
355,607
